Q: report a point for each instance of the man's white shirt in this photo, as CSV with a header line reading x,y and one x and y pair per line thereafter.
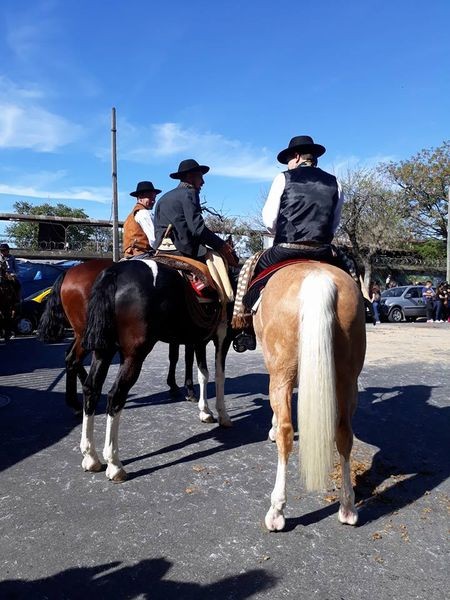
x,y
272,205
145,220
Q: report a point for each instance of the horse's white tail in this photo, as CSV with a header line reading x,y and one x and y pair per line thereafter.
x,y
317,386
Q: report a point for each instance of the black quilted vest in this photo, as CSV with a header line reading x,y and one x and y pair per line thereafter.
x,y
307,206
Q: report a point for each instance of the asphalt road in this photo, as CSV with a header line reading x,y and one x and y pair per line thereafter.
x,y
188,524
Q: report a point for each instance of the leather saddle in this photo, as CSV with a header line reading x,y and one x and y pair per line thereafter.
x,y
203,295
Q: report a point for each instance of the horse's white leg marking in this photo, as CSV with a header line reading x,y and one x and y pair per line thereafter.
x,y
114,469
347,511
273,429
275,516
90,461
224,418
205,413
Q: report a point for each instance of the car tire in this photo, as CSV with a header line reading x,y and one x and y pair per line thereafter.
x,y
24,326
395,315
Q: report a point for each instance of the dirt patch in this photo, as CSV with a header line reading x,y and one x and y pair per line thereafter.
x,y
407,342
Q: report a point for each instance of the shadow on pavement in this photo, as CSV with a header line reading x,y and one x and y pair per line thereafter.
x,y
143,580
249,427
414,447
41,419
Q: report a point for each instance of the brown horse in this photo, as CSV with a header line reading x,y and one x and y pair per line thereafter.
x,y
311,327
69,300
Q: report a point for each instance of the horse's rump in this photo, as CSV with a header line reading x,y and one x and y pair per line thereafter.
x,y
311,327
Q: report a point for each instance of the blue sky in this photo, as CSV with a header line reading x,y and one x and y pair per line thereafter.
x,y
226,83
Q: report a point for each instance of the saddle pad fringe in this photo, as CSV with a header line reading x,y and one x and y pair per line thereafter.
x,y
240,318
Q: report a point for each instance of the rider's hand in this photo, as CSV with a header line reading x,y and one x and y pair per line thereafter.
x,y
229,255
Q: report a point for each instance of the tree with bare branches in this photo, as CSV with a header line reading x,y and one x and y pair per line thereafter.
x,y
373,217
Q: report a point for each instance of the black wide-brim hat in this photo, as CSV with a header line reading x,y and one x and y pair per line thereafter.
x,y
303,144
188,166
144,186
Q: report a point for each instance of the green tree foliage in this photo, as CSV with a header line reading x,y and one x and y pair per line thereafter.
x,y
431,250
25,234
423,181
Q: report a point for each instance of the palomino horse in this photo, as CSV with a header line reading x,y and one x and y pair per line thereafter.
x,y
69,302
132,306
312,330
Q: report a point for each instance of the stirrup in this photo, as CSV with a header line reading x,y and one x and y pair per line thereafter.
x,y
244,341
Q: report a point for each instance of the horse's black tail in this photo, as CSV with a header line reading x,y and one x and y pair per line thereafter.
x,y
53,321
100,331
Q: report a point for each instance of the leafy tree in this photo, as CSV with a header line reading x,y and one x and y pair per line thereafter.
x,y
423,181
25,234
431,250
373,217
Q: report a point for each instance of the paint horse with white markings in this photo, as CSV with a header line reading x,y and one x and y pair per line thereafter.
x,y
311,327
68,305
133,305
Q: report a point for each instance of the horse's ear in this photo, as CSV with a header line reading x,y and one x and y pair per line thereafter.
x,y
229,239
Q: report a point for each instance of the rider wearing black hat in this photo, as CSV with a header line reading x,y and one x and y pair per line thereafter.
x,y
302,210
138,229
179,224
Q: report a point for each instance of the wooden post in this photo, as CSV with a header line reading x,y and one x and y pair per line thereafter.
x,y
115,210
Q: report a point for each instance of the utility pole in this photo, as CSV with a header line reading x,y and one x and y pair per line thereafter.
x,y
115,209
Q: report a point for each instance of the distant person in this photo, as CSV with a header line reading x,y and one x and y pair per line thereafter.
x,y
375,297
138,229
447,302
179,224
428,296
441,302
9,259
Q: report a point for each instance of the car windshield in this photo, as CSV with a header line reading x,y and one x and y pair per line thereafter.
x,y
393,292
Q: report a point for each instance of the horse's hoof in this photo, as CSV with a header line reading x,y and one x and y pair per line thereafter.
x,y
90,465
348,516
227,423
207,418
274,520
191,398
119,476
174,392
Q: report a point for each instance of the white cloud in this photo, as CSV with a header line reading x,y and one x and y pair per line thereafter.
x,y
34,128
226,157
348,163
86,193
24,123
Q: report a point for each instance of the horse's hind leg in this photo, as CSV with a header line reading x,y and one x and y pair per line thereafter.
x,y
280,391
74,369
344,442
188,375
92,389
222,343
174,355
127,376
205,413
